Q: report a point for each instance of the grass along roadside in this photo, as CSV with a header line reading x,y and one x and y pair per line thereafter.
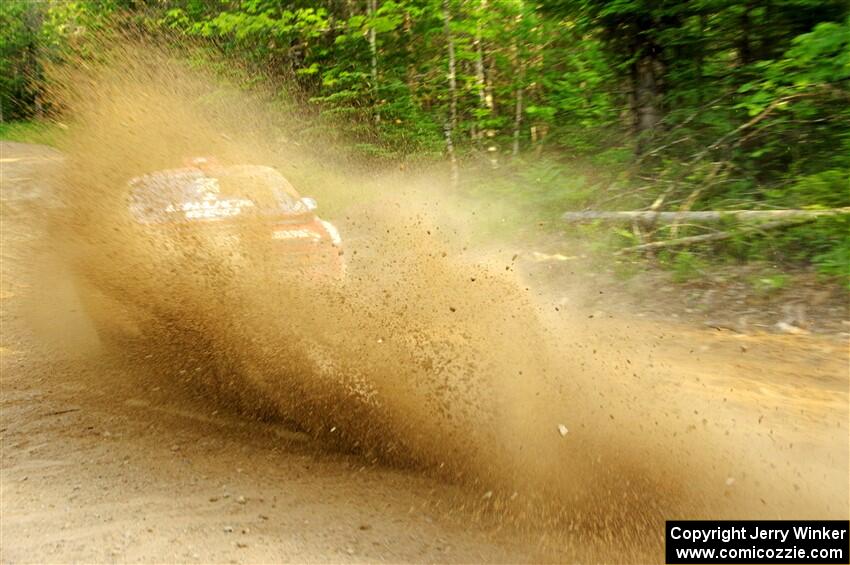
x,y
32,131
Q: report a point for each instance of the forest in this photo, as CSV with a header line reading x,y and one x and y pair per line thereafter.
x,y
559,105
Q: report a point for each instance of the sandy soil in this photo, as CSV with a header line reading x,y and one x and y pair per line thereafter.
x,y
105,462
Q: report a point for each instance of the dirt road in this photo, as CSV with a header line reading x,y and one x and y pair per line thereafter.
x,y
105,462
101,465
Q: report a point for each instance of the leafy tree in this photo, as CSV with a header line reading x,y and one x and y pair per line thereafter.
x,y
19,70
689,105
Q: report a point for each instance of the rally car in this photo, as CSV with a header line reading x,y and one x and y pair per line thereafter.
x,y
221,201
221,224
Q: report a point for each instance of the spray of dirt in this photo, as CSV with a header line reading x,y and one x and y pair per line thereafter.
x,y
430,353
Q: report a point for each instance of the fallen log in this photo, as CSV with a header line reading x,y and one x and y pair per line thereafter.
x,y
716,236
651,217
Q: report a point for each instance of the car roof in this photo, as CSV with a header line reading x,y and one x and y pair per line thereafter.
x,y
185,178
156,196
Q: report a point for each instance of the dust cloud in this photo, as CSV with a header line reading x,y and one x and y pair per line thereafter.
x,y
430,354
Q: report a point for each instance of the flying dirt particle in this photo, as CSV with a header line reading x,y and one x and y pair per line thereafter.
x,y
562,429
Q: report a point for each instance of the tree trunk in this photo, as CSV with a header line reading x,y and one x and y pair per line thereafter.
x,y
33,20
700,58
650,217
647,71
410,50
479,72
485,101
451,123
519,68
489,132
745,50
371,8
517,120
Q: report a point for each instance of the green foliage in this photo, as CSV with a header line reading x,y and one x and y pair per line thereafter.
x,y
684,265
835,261
830,188
710,104
769,283
44,133
19,22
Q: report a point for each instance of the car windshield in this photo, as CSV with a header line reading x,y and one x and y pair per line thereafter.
x,y
223,192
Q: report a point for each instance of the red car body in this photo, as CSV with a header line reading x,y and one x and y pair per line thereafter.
x,y
191,236
230,204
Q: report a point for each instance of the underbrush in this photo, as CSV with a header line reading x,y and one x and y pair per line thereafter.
x,y
528,195
31,131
